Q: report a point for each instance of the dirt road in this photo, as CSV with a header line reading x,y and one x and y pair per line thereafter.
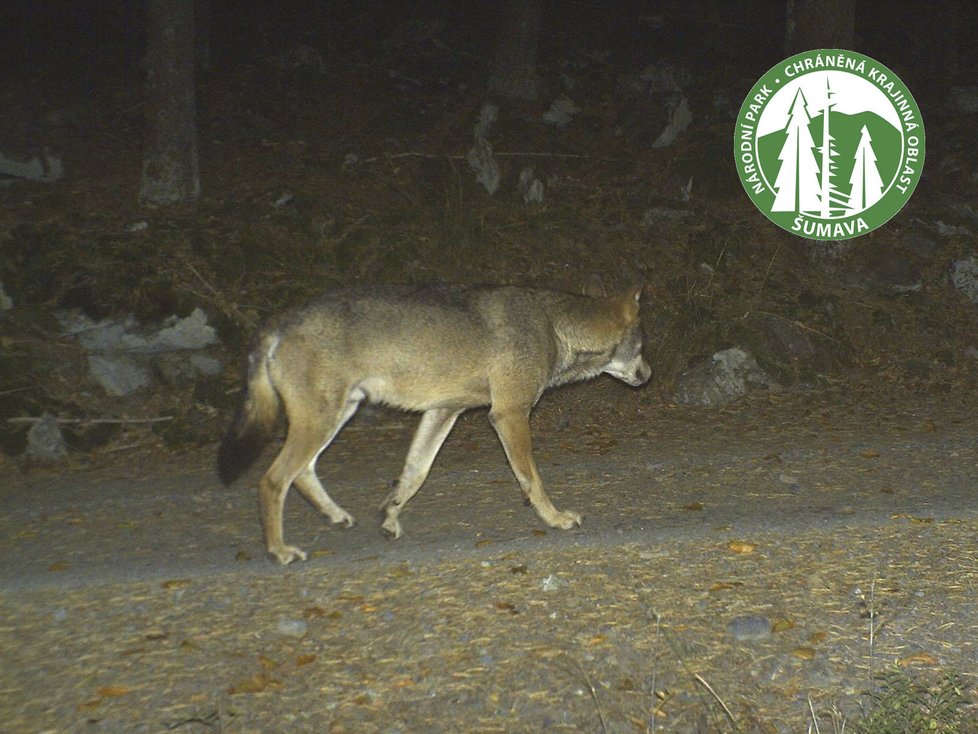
x,y
746,550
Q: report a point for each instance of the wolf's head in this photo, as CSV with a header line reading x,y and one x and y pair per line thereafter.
x,y
627,363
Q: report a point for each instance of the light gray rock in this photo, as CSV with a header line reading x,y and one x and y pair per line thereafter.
x,y
118,376
45,442
725,376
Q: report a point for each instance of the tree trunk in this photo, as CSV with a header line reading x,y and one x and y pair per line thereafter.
x,y
819,24
170,167
514,73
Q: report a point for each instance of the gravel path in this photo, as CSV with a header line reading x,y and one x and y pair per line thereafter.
x,y
733,558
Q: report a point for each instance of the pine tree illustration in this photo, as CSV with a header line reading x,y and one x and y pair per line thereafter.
x,y
798,179
832,202
867,184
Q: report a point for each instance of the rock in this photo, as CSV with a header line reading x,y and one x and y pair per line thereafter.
x,y
530,186
795,349
488,116
561,112
291,627
118,376
486,169
205,365
725,376
680,117
749,628
45,442
964,277
110,336
551,583
192,332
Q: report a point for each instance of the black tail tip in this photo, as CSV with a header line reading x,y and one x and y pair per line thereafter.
x,y
237,453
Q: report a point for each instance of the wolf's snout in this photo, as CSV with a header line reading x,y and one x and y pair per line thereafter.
x,y
640,375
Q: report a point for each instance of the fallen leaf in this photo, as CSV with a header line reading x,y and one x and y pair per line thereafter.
x,y
507,606
521,569
869,454
267,663
305,660
58,566
596,640
887,490
918,658
912,518
783,625
741,546
313,612
693,506
803,653
156,635
258,683
484,543
112,691
321,552
539,533
89,705
817,638
176,584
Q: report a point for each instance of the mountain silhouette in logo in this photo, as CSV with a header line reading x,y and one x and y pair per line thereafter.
x,y
863,144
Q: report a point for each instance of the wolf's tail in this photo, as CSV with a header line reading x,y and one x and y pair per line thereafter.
x,y
255,417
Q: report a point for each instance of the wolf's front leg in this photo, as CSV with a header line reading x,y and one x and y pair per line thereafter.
x,y
432,431
513,428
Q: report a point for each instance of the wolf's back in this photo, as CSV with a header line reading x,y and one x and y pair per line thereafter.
x,y
255,416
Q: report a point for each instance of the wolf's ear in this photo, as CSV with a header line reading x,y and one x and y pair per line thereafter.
x,y
631,300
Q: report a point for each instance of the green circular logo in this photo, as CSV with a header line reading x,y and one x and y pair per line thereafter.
x,y
829,144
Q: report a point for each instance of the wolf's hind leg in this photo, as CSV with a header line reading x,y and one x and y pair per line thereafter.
x,y
310,432
309,487
432,431
308,483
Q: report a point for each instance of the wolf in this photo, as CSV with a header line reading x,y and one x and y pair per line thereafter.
x,y
439,350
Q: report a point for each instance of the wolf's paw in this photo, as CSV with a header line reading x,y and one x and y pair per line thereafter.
x,y
391,527
565,520
343,519
286,554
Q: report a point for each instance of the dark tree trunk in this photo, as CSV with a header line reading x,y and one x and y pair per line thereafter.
x,y
202,9
170,168
819,24
514,70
